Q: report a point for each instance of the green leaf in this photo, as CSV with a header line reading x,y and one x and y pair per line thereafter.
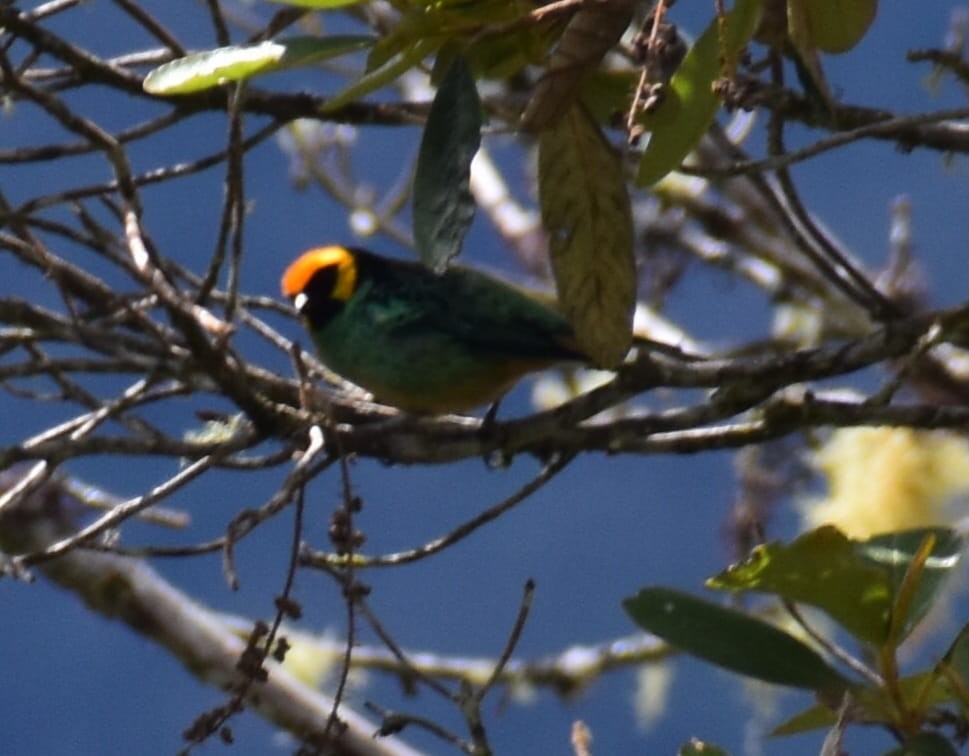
x,y
823,568
585,210
925,744
690,106
732,640
318,4
857,583
208,69
443,206
380,77
894,552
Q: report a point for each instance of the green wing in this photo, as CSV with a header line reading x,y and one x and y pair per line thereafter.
x,y
475,309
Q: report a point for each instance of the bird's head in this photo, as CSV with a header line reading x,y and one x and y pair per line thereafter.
x,y
320,282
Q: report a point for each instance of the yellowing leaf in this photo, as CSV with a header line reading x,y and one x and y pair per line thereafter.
x,y
835,25
585,210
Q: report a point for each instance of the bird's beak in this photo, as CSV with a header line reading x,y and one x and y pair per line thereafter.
x,y
299,301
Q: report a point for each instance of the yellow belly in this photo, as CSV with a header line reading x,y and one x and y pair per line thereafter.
x,y
473,390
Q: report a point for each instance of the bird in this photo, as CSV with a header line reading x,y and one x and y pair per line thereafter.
x,y
423,342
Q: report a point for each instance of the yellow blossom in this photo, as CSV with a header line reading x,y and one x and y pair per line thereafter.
x,y
884,479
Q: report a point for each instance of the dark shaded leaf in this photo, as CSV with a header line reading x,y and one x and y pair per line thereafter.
x,y
732,640
443,206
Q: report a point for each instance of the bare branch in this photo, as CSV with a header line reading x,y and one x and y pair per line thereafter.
x,y
193,634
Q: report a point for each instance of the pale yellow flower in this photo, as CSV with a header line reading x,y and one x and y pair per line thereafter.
x,y
884,479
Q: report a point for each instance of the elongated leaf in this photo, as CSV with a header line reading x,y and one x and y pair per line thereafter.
x,y
443,206
380,77
732,640
208,69
690,106
823,568
586,213
894,552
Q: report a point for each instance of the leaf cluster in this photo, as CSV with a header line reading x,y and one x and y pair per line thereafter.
x,y
878,590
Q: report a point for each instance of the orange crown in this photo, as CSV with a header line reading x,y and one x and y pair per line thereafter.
x,y
299,273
